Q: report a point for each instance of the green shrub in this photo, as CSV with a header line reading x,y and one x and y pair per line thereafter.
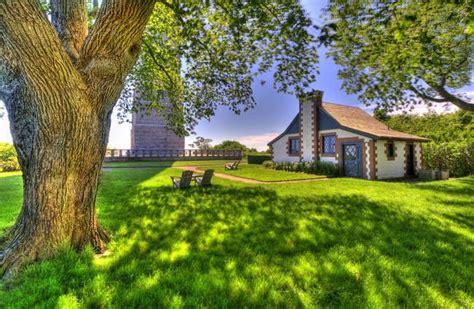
x,y
457,157
315,167
10,165
268,164
258,158
8,158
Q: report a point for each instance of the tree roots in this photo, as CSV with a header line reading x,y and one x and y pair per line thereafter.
x,y
18,251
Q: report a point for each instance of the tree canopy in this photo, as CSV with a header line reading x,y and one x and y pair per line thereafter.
x,y
439,128
234,145
394,53
201,143
198,55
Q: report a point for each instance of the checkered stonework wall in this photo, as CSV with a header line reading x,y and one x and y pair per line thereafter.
x,y
306,131
149,132
309,129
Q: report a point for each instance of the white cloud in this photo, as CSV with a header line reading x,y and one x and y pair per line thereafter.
x,y
420,109
259,141
439,108
470,94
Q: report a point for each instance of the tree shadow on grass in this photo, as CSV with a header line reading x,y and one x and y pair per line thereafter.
x,y
459,187
251,247
231,246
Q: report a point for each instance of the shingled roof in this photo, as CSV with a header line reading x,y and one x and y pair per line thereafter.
x,y
357,120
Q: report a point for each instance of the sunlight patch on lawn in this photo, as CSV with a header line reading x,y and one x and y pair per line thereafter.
x,y
68,301
147,282
178,251
217,234
8,174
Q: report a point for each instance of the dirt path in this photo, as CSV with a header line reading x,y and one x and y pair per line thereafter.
x,y
248,180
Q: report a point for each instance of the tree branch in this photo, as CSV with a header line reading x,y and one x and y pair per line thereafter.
x,y
69,17
446,97
462,104
179,18
155,61
113,46
427,97
31,44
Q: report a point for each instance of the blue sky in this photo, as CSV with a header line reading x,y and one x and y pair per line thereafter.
x,y
257,127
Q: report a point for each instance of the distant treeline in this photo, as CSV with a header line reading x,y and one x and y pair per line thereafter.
x,y
452,139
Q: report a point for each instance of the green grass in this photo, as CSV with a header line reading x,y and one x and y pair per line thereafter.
x,y
10,198
334,243
258,172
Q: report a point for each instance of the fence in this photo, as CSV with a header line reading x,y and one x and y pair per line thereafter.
x,y
170,155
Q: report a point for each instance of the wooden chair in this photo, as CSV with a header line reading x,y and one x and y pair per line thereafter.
x,y
184,181
205,179
232,166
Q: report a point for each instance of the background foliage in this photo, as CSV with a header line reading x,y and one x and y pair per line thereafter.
x,y
234,145
201,143
452,139
258,158
8,158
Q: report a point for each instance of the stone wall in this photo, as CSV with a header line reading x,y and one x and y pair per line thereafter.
x,y
280,150
149,132
393,167
336,158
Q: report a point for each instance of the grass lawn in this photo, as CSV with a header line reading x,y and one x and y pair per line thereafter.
x,y
10,198
334,243
258,172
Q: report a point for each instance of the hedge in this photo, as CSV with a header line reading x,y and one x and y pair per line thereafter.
x,y
456,157
8,159
315,167
258,158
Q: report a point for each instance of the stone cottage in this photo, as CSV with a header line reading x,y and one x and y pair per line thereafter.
x,y
358,144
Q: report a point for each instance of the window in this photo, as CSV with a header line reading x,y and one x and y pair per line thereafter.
x,y
329,144
294,146
390,150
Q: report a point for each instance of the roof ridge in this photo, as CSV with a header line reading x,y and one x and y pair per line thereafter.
x,y
343,105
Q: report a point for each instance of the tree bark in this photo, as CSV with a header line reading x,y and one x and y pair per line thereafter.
x,y
69,17
60,175
59,109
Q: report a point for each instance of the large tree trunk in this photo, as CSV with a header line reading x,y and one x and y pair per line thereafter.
x,y
59,89
60,151
61,162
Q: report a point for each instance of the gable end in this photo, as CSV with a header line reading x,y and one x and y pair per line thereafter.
x,y
293,128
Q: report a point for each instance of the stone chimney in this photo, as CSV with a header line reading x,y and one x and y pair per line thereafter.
x,y
315,97
310,103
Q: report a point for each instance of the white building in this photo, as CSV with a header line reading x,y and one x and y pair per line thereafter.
x,y
359,145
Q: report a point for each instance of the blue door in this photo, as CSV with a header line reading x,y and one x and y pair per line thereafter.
x,y
352,160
